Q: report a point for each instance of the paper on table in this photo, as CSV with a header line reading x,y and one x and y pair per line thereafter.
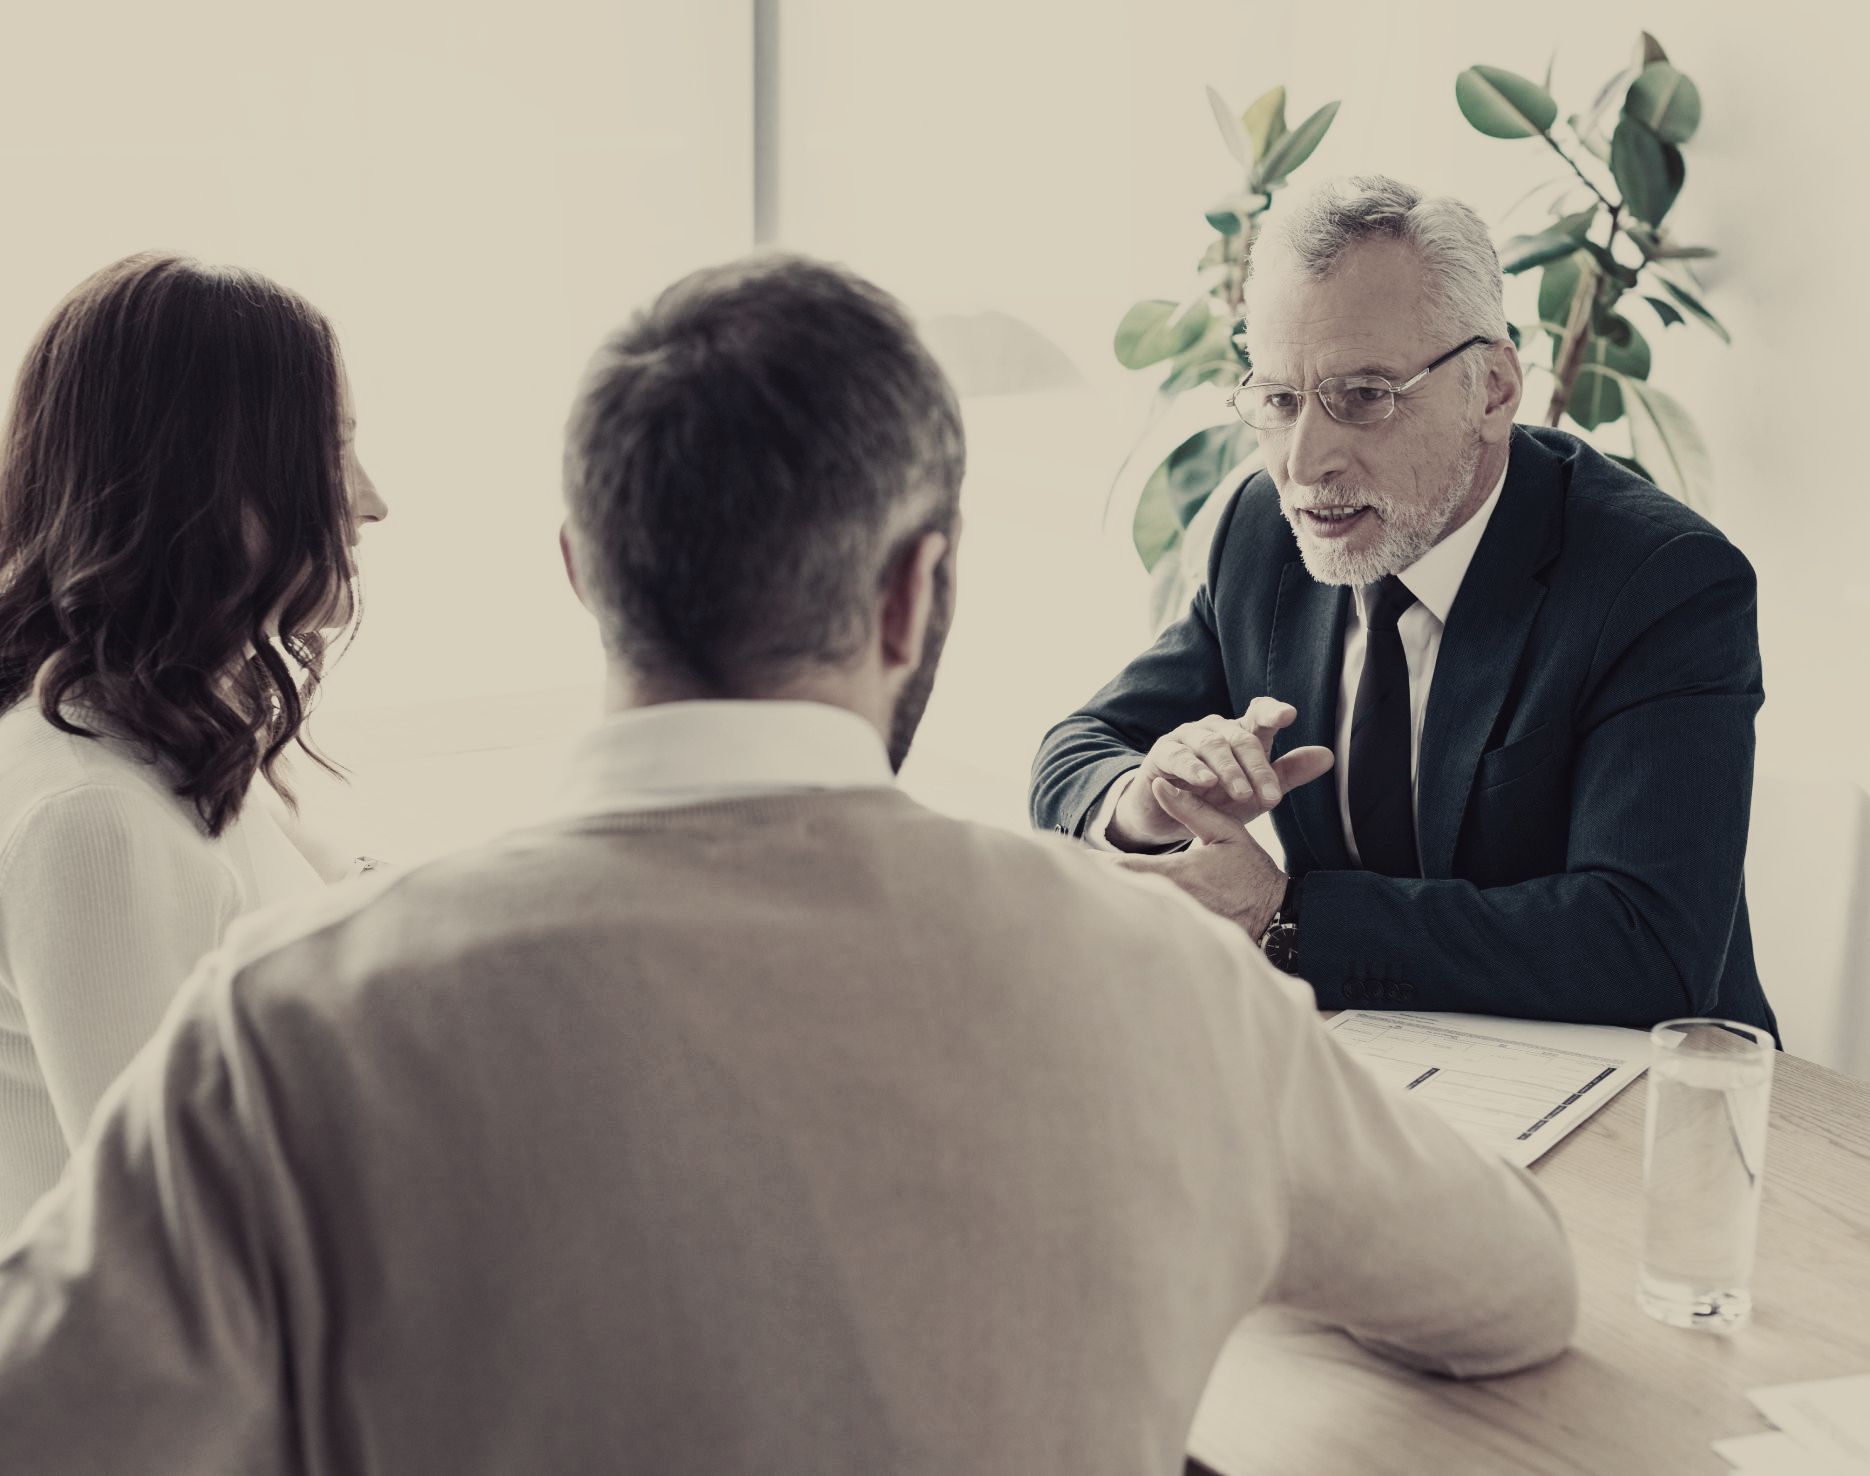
x,y
1775,1453
1829,1416
1516,1086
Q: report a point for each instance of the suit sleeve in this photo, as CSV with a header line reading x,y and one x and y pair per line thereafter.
x,y
1177,680
137,1326
1636,928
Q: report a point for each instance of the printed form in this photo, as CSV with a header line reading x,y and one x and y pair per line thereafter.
x,y
1516,1086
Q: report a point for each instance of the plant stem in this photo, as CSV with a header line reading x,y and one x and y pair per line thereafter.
x,y
1570,357
1569,360
1602,198
1237,269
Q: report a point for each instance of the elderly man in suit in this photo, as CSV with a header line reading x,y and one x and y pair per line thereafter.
x,y
1531,675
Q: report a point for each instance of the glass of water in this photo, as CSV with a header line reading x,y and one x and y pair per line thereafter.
x,y
1704,1151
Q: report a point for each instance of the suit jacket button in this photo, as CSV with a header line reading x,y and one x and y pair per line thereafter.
x,y
1353,991
1405,991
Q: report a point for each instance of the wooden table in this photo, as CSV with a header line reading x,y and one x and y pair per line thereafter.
x,y
1632,1397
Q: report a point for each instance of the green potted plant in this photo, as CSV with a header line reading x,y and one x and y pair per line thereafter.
x,y
1197,341
1606,248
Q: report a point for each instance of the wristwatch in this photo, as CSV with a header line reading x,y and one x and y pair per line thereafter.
x,y
1280,941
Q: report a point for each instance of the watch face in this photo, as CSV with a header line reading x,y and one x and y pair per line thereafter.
x,y
1281,946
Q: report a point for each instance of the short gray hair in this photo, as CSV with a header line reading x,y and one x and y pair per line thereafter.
x,y
746,460
1465,295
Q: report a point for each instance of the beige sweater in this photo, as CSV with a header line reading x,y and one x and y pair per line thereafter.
x,y
804,1133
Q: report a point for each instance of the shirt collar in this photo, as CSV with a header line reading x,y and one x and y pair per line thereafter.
x,y
1435,578
680,753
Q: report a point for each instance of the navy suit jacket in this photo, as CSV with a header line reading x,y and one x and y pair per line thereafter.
x,y
1586,757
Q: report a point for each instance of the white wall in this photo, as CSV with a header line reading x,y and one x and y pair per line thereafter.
x,y
475,193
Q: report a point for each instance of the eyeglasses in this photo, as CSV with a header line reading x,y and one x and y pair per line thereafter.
x,y
1355,399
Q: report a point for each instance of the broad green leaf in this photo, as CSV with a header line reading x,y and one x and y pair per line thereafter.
x,y
1587,131
1665,311
1294,149
1203,371
1217,254
1665,102
1557,287
1626,351
1624,276
1696,309
1647,170
1230,214
1512,332
1232,134
1610,90
1596,398
1179,576
1215,348
1609,325
1265,121
1656,246
1198,464
1184,481
1503,104
1665,439
1216,341
1154,530
1522,253
1153,331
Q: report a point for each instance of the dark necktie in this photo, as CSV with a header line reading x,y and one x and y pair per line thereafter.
x,y
1381,797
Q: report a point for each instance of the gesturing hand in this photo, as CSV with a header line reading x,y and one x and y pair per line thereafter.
x,y
1228,873
1221,761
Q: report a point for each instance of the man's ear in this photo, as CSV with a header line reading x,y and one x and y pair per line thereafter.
x,y
1502,388
571,568
909,600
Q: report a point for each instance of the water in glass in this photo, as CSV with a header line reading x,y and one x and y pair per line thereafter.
x,y
1704,1153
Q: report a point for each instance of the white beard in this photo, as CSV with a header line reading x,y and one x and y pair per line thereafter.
x,y
1406,531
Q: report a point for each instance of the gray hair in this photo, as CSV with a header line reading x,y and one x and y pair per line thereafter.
x,y
746,461
1456,249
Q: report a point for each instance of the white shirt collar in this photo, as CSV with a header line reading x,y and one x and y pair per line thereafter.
x,y
683,753
1435,578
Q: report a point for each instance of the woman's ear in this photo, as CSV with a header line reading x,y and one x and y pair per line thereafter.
x,y
571,568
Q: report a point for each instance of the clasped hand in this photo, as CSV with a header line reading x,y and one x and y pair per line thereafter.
x,y
1207,780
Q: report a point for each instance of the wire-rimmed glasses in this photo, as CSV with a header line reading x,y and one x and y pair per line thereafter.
x,y
1355,399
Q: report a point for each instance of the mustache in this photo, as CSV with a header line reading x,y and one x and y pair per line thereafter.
x,y
1339,497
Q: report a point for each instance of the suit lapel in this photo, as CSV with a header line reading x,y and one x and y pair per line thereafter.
x,y
1481,646
1302,667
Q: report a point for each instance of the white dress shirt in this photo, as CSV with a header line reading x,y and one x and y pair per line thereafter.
x,y
688,753
1434,580
110,890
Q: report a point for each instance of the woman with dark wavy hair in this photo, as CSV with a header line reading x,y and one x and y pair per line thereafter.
x,y
179,499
